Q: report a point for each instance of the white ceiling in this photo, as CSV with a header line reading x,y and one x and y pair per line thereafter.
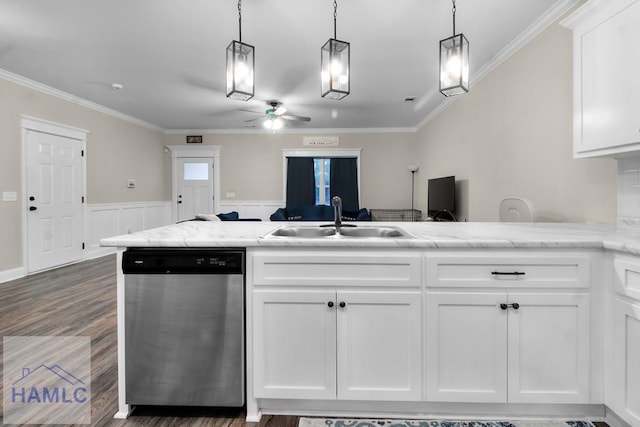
x,y
170,55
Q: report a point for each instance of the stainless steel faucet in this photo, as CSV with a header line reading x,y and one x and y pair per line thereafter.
x,y
337,211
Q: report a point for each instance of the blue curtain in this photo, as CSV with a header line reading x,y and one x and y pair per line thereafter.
x,y
301,184
344,181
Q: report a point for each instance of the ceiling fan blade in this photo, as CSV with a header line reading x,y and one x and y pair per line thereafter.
x,y
298,118
250,111
280,111
257,118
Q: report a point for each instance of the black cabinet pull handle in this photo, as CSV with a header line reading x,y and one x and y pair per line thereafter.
x,y
32,208
342,304
330,304
508,273
515,306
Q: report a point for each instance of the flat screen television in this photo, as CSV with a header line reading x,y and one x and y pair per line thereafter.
x,y
441,198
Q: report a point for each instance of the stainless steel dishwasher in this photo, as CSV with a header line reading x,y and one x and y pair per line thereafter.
x,y
184,327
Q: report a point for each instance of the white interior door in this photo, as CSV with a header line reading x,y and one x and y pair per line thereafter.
x,y
54,200
195,187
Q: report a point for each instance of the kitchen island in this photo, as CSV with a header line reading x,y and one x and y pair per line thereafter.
x,y
460,320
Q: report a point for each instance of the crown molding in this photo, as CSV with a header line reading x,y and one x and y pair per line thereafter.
x,y
48,90
537,27
288,131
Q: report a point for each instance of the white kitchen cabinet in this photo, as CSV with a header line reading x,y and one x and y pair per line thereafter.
x,y
294,344
337,344
626,356
478,351
606,36
466,347
379,346
625,347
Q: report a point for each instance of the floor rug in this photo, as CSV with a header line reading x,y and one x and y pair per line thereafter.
x,y
345,422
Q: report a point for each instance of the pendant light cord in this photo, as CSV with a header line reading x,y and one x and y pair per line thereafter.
x,y
453,11
335,18
240,19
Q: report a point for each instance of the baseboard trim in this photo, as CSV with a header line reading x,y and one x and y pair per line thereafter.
x,y
94,253
613,419
14,273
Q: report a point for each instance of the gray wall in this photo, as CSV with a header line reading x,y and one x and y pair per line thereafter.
x,y
251,165
511,136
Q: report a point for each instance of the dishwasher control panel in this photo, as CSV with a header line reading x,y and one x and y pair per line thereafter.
x,y
183,261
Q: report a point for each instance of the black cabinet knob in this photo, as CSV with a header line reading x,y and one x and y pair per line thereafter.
x,y
32,198
342,304
504,306
330,304
515,305
179,201
32,208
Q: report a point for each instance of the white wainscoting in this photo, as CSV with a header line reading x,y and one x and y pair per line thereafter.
x,y
107,220
252,208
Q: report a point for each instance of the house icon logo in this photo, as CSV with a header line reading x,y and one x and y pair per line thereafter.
x,y
48,384
46,380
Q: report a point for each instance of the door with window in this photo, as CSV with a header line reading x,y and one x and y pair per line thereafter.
x,y
54,191
195,187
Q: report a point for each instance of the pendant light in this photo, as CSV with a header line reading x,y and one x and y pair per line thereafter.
x,y
240,66
334,61
454,62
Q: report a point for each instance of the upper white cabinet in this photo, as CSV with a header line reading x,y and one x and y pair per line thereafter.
x,y
606,39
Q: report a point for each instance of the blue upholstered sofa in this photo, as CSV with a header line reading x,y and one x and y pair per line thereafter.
x,y
317,213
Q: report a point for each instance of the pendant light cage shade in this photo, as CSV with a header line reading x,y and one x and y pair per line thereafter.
x,y
454,65
240,71
335,61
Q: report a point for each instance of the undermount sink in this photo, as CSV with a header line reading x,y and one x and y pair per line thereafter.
x,y
317,232
303,231
390,232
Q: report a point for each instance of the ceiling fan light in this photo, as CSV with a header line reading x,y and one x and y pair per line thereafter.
x,y
240,71
335,60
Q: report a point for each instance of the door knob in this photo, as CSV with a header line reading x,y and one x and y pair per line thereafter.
x,y
32,208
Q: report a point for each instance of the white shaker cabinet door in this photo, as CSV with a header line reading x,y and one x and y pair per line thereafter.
x,y
466,347
379,346
607,87
294,344
549,348
626,356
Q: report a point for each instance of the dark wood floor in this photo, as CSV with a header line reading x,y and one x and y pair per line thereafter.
x,y
80,300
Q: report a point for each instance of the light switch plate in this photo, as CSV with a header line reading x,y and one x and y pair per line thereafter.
x,y
9,196
131,183
231,195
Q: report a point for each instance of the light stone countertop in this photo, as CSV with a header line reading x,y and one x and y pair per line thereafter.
x,y
426,235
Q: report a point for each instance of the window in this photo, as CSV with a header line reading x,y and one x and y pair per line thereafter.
x,y
322,173
196,171
313,176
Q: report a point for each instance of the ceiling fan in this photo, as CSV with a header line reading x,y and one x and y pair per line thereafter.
x,y
274,116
